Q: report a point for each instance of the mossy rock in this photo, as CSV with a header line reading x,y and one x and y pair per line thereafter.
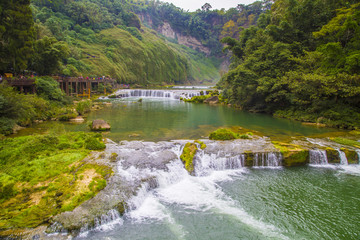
x,y
293,158
188,155
352,156
202,144
222,134
332,155
249,159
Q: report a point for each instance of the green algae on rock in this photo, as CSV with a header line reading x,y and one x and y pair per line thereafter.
x,y
188,155
293,155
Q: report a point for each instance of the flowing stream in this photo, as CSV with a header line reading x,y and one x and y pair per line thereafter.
x,y
225,200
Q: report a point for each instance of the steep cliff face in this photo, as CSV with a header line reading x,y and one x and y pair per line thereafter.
x,y
166,30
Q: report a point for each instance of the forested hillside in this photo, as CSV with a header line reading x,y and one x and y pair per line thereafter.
x,y
106,37
301,61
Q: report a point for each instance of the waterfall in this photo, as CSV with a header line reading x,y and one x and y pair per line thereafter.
x,y
318,157
206,163
150,93
358,153
343,158
267,159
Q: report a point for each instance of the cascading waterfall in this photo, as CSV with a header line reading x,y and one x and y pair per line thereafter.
x,y
170,184
318,157
343,158
358,153
267,159
169,94
205,163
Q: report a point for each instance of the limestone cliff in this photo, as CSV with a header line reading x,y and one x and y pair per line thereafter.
x,y
166,30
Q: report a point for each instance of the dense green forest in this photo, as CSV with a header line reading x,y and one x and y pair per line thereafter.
x,y
106,37
301,61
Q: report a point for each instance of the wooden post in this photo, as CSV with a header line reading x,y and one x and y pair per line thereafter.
x,y
89,93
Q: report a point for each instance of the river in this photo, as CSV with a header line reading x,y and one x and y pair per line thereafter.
x,y
224,199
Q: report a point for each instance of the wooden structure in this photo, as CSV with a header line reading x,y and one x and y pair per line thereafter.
x,y
70,85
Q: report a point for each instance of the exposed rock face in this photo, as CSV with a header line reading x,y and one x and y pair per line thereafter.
x,y
167,31
100,125
188,41
192,42
212,100
78,119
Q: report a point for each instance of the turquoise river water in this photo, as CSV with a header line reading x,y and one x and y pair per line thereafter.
x,y
313,202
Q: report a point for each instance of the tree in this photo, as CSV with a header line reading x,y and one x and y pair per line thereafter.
x,y
206,7
17,35
48,55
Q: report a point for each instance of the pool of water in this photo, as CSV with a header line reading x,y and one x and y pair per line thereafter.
x,y
297,203
166,119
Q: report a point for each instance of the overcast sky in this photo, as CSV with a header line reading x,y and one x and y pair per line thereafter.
x,y
193,5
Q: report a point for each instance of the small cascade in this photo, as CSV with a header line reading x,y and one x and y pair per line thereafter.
x,y
205,163
151,93
343,158
358,153
318,157
267,159
104,223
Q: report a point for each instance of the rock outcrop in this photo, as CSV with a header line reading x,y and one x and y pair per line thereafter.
x,y
100,125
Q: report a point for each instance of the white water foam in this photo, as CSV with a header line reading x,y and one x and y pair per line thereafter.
x,y
269,160
343,158
318,157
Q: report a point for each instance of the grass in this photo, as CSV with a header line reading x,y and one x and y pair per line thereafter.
x,y
43,175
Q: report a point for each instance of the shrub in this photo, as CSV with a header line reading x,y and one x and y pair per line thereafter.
x,y
92,143
222,134
83,107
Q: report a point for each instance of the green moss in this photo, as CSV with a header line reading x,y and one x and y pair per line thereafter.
x,y
249,158
188,155
293,155
345,141
43,175
202,144
222,134
294,158
352,156
227,134
332,155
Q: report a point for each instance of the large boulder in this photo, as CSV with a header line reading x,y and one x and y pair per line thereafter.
x,y
212,100
100,125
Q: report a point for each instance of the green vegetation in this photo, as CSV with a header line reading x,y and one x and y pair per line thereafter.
x,y
21,109
201,143
188,155
299,62
293,155
83,107
345,141
226,134
43,175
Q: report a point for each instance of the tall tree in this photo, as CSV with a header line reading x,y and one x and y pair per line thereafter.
x,y
17,35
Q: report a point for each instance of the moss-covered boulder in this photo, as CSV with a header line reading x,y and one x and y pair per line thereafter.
x,y
294,158
352,156
223,134
249,159
188,155
332,155
293,155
